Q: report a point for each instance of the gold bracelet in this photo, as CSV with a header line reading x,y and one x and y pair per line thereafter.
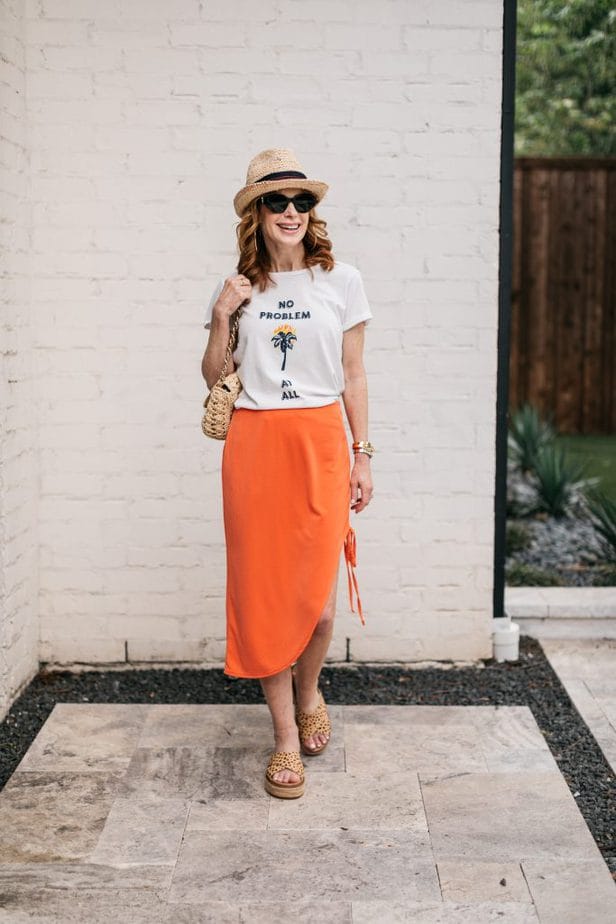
x,y
363,446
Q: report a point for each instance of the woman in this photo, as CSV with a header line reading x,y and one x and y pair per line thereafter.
x,y
285,462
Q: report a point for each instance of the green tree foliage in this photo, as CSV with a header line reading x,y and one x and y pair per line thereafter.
x,y
565,78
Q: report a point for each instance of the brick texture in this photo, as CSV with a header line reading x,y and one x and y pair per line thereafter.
x,y
19,627
136,129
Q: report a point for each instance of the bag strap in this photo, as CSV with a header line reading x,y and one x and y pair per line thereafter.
x,y
230,346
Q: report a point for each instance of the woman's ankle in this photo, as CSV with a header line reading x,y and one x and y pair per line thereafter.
x,y
290,743
308,700
286,737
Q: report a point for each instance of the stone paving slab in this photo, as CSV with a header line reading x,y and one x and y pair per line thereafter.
x,y
506,816
593,659
587,670
427,814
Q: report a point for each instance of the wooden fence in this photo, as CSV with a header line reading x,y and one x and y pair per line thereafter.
x,y
563,311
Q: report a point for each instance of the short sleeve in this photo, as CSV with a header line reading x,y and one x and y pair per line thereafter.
x,y
356,308
208,311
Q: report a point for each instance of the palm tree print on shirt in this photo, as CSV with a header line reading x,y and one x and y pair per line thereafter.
x,y
283,338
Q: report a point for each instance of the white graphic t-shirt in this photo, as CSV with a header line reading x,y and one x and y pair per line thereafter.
x,y
289,350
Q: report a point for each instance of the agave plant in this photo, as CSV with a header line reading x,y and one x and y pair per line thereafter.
x,y
557,479
527,435
603,517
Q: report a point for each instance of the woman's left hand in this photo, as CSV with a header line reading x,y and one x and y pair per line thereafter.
x,y
361,482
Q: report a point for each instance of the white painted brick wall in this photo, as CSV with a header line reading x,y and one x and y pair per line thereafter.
x,y
142,117
18,460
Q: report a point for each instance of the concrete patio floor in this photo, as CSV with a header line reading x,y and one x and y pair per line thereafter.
x,y
447,814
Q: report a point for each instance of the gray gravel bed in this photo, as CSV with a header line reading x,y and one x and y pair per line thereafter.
x,y
568,545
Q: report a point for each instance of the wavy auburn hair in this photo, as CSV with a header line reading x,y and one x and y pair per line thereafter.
x,y
254,259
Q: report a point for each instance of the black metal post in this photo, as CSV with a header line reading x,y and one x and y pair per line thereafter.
x,y
504,301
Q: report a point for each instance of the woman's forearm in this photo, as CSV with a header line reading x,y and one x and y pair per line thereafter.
x,y
216,350
355,398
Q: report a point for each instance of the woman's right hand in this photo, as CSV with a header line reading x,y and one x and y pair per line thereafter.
x,y
236,291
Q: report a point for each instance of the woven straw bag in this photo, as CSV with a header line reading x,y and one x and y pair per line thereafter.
x,y
221,399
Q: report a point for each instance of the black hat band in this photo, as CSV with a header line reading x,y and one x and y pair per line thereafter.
x,y
283,174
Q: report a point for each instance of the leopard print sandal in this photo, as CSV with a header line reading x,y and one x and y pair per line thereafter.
x,y
285,760
310,723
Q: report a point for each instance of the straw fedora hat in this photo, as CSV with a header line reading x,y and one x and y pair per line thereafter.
x,y
274,168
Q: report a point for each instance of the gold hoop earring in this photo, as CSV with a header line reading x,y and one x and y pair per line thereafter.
x,y
256,241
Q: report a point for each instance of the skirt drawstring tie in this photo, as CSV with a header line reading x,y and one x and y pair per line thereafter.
x,y
350,555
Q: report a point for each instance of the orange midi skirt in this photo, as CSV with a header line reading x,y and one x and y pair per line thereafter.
x,y
286,505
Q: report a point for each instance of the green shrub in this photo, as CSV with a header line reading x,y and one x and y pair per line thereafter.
x,y
602,511
521,575
517,537
605,577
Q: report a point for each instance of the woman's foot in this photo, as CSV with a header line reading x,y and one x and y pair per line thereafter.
x,y
286,743
308,706
285,761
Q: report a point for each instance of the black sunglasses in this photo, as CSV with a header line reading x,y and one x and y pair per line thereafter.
x,y
276,202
